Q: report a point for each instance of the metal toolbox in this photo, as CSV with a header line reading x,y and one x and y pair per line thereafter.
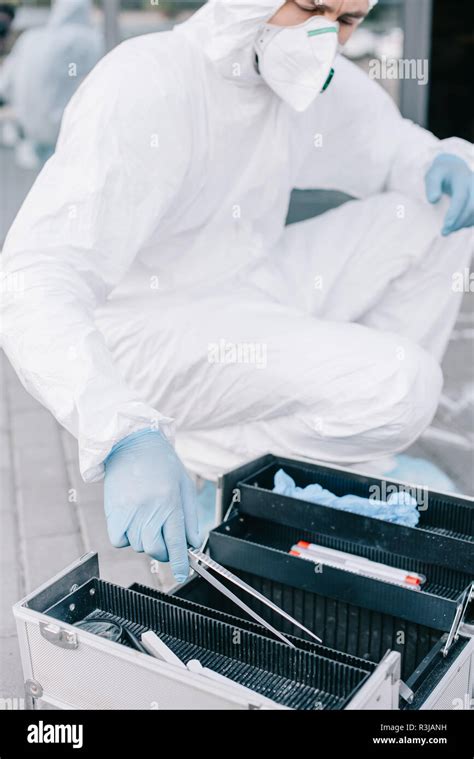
x,y
384,646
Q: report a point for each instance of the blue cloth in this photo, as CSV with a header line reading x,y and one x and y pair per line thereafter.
x,y
401,508
206,501
420,472
450,175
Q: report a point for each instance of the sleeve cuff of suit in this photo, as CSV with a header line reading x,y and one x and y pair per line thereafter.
x,y
92,454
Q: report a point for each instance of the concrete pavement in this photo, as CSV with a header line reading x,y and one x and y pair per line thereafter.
x,y
48,516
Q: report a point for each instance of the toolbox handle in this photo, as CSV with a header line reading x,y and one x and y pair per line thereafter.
x,y
59,636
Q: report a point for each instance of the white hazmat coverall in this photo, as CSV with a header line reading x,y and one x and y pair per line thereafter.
x,y
159,286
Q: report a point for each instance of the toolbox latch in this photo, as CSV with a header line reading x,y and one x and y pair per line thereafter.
x,y
236,495
405,692
393,672
58,635
458,620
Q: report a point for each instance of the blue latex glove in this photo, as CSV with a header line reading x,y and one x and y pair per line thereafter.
x,y
450,175
401,508
149,500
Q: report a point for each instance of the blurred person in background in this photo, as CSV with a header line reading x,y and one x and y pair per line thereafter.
x,y
42,72
7,15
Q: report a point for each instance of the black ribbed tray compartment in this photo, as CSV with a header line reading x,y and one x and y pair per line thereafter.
x,y
207,599
439,580
297,678
261,547
344,627
444,535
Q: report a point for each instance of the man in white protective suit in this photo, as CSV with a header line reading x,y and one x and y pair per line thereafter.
x,y
44,69
169,319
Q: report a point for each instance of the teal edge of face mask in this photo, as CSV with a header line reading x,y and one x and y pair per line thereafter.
x,y
328,80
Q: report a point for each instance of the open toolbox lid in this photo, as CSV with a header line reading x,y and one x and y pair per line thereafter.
x,y
263,526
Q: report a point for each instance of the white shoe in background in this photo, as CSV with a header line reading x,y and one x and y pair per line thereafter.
x,y
10,135
26,156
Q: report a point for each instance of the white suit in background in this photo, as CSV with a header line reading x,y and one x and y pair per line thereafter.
x,y
47,65
154,259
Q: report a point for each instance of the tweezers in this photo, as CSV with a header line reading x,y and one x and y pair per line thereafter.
x,y
200,562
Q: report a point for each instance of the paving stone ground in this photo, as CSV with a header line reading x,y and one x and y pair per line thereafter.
x,y
48,516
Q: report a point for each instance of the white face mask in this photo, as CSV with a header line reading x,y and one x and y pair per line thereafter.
x,y
296,61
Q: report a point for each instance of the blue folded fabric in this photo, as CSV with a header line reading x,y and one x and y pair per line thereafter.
x,y
401,508
206,499
421,472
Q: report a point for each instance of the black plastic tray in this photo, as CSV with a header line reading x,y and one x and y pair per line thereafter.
x,y
261,547
443,537
344,627
306,677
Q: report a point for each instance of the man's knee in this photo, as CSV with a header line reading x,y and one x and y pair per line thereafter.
x,y
384,405
414,397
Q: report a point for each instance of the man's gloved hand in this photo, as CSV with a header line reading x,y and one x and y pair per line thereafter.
x,y
149,500
450,175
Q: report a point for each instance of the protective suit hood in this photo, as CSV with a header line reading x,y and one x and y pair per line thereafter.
x,y
226,29
222,27
70,12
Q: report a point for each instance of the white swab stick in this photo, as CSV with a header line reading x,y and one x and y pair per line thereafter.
x,y
157,648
